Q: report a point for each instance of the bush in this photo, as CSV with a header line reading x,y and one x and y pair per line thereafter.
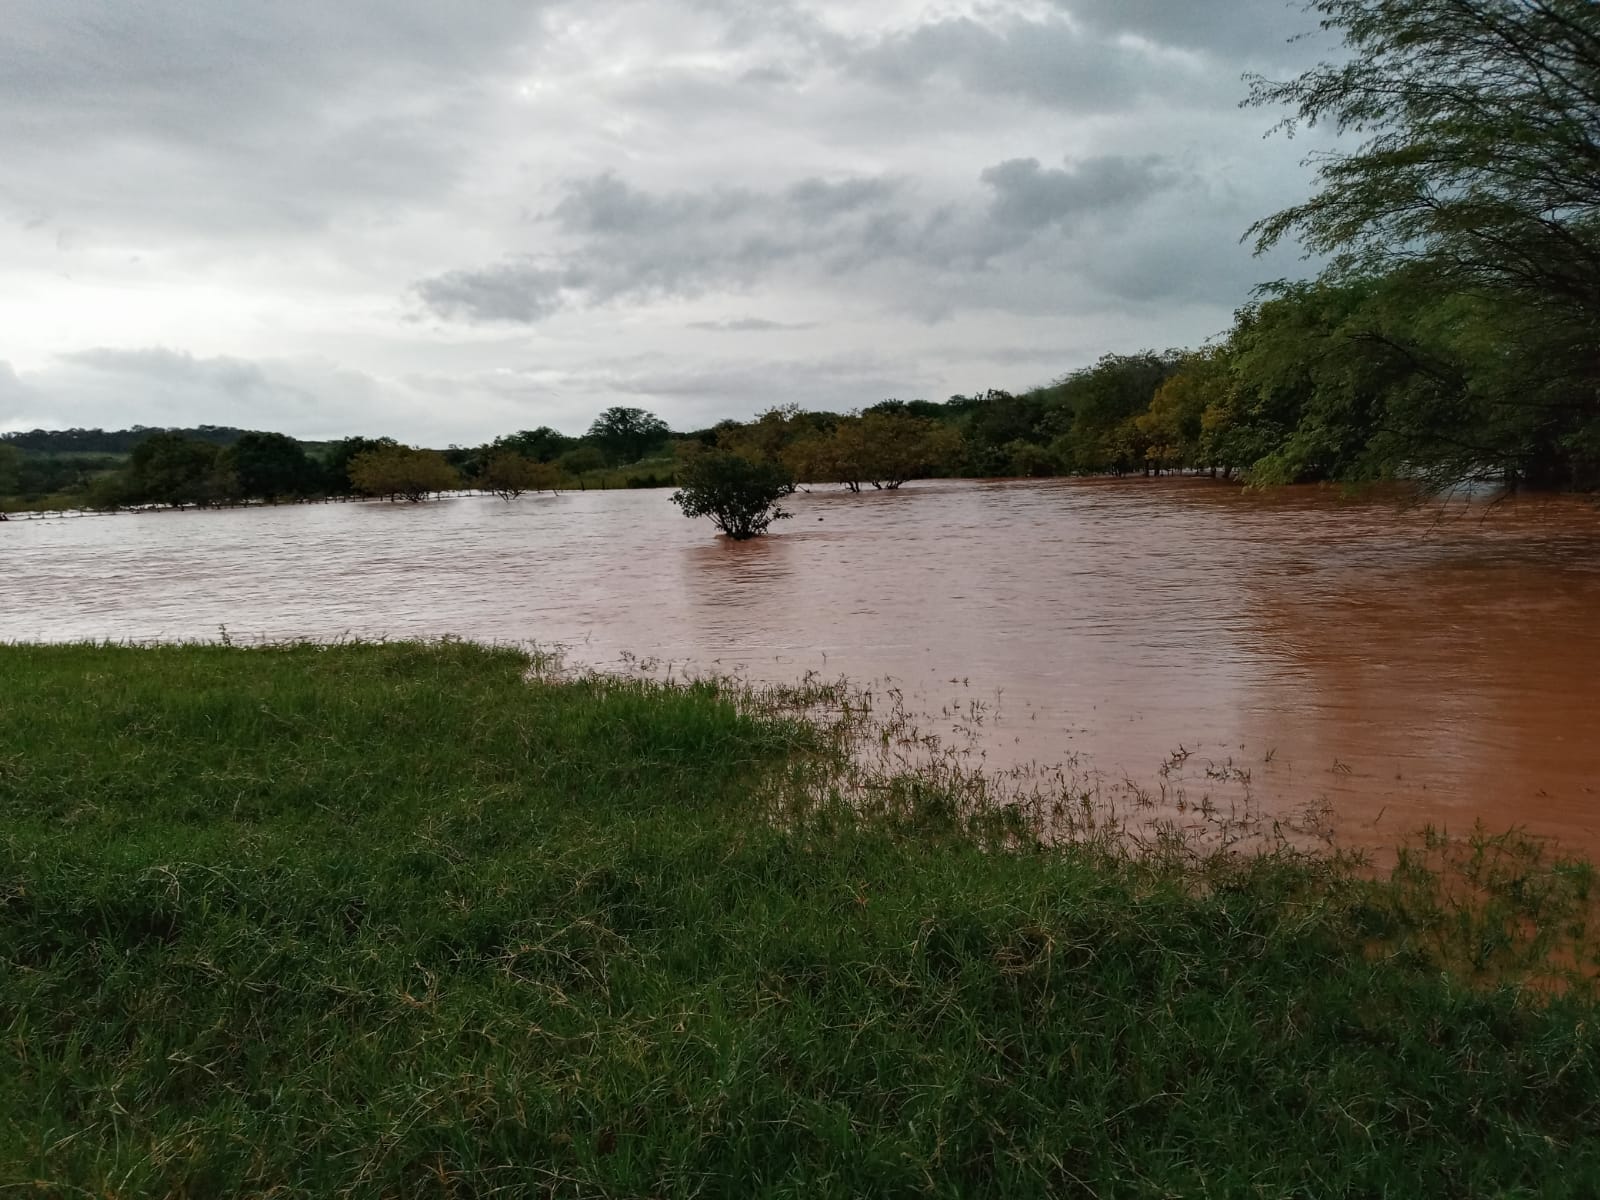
x,y
741,497
402,471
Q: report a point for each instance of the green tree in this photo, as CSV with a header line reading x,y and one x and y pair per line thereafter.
x,y
741,497
270,466
1479,172
897,447
626,435
579,461
768,437
996,422
10,469
542,444
468,462
508,475
1030,460
1095,407
402,472
336,464
169,468
1174,422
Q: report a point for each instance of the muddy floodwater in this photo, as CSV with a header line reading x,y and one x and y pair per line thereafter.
x,y
1408,664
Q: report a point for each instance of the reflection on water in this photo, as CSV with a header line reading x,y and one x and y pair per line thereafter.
x,y
1407,664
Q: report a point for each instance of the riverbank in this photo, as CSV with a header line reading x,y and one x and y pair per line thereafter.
x,y
400,919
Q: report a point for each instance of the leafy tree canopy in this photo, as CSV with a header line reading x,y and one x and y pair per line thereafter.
x,y
626,435
402,472
508,475
1477,180
270,465
542,444
1481,155
740,496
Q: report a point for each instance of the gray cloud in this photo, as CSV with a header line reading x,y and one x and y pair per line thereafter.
x,y
188,114
1051,61
1030,196
1239,30
14,397
705,392
116,387
750,325
630,244
633,244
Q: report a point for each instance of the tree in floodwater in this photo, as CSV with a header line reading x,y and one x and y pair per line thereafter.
x,y
508,475
10,469
270,466
338,457
899,447
170,468
741,497
881,448
1479,177
402,472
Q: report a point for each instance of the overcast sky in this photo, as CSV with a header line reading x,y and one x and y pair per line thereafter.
x,y
443,222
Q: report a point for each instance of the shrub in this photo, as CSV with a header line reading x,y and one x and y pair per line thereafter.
x,y
741,497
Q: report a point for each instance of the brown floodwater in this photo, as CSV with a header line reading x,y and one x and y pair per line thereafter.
x,y
1406,663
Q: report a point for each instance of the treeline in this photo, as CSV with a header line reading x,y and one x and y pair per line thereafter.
x,y
215,465
1353,381
1362,379
114,441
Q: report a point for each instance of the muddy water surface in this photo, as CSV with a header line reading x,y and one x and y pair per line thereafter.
x,y
1408,665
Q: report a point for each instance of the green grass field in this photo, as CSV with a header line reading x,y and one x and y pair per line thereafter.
x,y
399,920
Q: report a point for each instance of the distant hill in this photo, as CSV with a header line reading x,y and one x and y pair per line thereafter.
x,y
116,441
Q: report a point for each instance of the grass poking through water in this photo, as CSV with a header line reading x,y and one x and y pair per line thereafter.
x,y
402,920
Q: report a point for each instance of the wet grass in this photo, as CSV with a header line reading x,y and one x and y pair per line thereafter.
x,y
400,920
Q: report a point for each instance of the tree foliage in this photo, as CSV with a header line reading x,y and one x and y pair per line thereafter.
x,y
740,496
625,435
402,472
1481,155
508,475
581,460
271,466
339,456
10,469
173,469
116,441
541,445
1477,178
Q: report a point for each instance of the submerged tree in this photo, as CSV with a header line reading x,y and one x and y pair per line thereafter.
x,y
10,469
741,497
269,465
337,459
171,468
402,472
508,475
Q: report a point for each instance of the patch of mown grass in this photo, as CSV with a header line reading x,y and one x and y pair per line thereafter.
x,y
401,920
